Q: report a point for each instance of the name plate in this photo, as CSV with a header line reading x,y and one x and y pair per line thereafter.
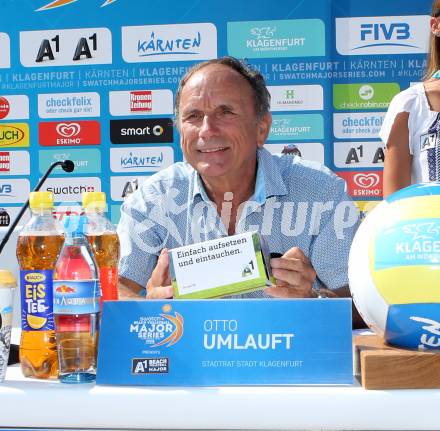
x,y
226,342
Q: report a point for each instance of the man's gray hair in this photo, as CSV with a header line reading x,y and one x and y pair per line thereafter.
x,y
252,75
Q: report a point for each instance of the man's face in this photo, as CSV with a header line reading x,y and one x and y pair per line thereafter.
x,y
218,125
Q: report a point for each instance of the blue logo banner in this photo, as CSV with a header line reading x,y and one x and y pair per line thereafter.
x,y
226,342
414,326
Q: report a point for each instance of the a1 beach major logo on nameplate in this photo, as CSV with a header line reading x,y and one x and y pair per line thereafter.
x,y
159,331
177,42
5,50
374,35
283,38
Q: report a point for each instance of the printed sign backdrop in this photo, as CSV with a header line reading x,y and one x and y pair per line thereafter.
x,y
94,81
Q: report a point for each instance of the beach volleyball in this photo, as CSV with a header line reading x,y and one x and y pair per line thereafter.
x,y
394,268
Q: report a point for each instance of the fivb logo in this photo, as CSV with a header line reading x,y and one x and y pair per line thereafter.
x,y
382,35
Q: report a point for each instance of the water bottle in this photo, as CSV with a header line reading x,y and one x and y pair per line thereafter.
x,y
76,305
104,241
38,246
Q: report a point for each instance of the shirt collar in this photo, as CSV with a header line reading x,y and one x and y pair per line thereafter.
x,y
268,182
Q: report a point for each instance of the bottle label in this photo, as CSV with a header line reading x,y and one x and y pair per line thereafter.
x,y
108,278
76,296
36,300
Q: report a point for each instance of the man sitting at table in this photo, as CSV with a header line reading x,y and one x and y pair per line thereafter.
x,y
230,184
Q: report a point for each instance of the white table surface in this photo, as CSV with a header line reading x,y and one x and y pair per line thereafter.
x,y
35,403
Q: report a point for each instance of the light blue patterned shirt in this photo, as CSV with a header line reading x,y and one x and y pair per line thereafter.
x,y
296,203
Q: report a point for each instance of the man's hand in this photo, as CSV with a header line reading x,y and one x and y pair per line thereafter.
x,y
294,275
159,285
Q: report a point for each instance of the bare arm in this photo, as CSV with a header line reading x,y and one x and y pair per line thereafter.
x,y
397,166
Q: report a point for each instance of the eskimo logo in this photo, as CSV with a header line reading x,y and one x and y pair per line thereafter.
x,y
162,330
366,181
154,45
68,129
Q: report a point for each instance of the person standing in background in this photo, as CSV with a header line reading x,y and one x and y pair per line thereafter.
x,y
411,128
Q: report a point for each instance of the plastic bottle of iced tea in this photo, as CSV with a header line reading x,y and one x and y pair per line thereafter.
x,y
104,242
38,247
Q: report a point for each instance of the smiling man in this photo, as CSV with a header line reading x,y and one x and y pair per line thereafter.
x,y
230,184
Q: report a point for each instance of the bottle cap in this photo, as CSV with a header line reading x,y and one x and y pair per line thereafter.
x,y
93,200
7,280
74,226
41,200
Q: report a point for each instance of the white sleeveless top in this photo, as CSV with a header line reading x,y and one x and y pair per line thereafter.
x,y
424,132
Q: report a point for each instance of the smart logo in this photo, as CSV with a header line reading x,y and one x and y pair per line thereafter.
x,y
382,35
283,38
158,130
178,42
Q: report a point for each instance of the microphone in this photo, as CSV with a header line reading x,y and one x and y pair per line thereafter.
x,y
66,165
